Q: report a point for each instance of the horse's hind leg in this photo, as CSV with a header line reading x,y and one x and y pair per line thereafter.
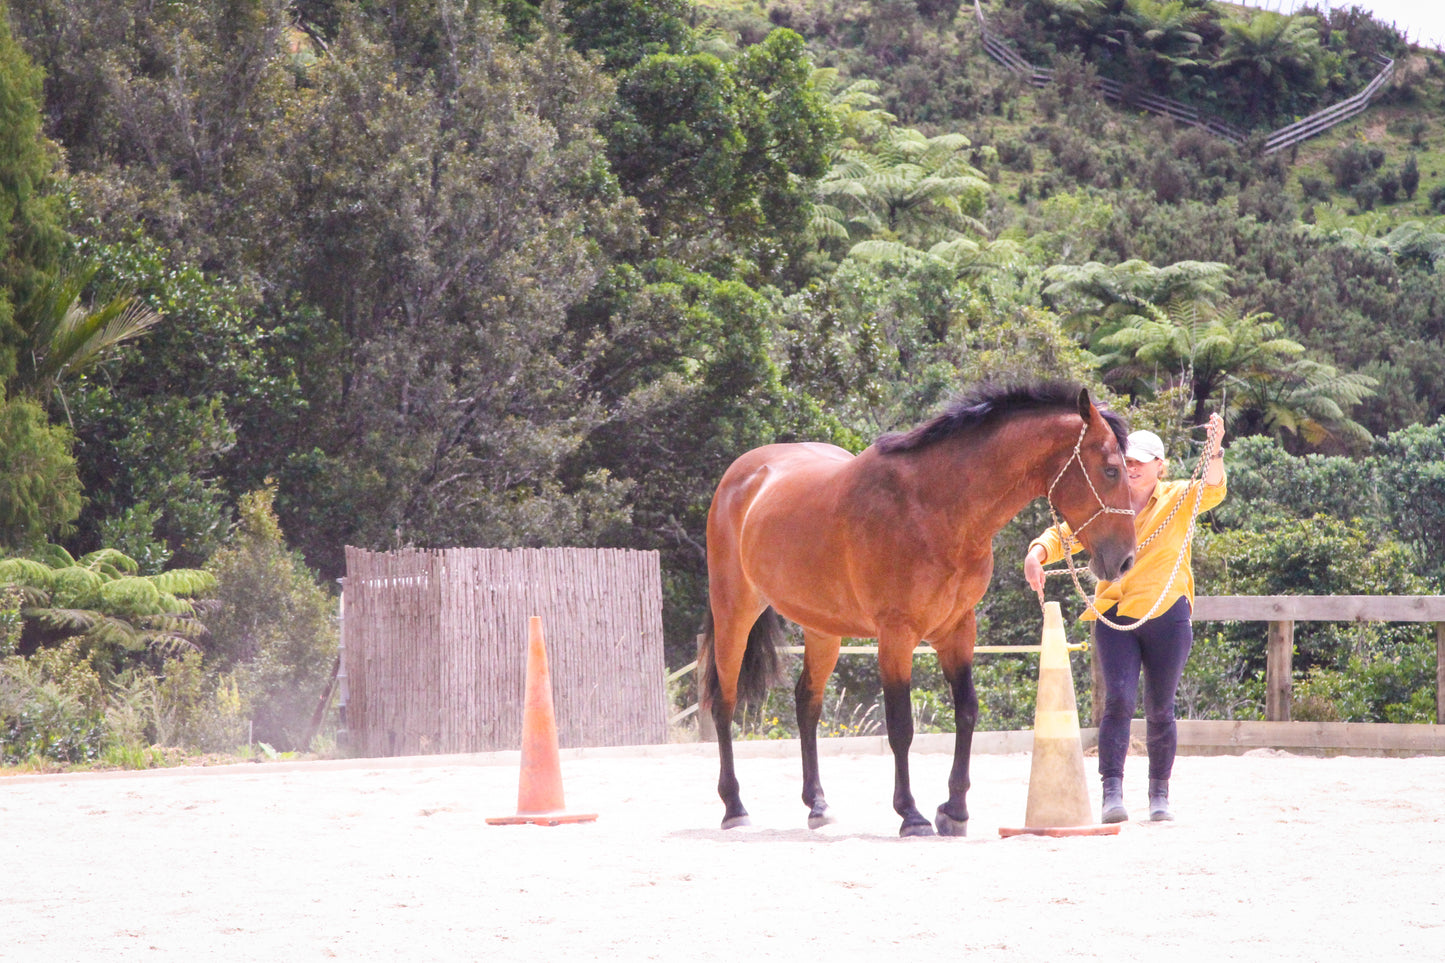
x,y
732,624
734,814
820,655
955,655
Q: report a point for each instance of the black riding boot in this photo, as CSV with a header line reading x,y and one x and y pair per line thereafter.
x,y
1159,800
1113,808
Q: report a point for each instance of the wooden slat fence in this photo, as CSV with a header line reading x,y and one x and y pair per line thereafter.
x,y
1319,122
435,643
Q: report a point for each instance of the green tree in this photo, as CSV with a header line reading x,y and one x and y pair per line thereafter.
x,y
722,156
1166,34
39,490
907,187
788,133
157,430
275,627
445,391
1410,478
31,238
177,106
39,493
625,32
1211,349
1273,62
1095,294
674,139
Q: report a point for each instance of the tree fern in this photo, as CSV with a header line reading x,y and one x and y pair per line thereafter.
x,y
101,601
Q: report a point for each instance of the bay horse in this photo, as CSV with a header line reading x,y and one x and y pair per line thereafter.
x,y
895,544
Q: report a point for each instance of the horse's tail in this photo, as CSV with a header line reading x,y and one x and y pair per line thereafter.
x,y
760,668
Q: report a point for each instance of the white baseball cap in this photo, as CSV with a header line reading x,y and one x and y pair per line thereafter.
x,y
1144,446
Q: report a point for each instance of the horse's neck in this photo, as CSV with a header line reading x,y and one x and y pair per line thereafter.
x,y
1004,470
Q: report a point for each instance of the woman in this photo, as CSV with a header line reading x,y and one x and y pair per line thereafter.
x,y
1159,645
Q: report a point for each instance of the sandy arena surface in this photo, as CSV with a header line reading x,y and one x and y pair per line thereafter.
x,y
1274,857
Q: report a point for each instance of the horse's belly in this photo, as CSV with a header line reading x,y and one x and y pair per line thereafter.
x,y
839,620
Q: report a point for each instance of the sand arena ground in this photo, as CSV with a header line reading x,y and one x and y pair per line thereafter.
x,y
1274,857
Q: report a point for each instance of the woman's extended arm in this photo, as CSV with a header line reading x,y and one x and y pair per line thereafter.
x,y
1214,471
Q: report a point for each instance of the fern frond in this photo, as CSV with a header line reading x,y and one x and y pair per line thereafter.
x,y
185,581
71,621
25,572
110,561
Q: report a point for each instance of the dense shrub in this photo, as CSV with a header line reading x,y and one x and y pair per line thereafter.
x,y
51,707
276,628
1349,164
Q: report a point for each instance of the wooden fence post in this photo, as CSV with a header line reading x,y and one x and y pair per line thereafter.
x,y
1440,673
1278,672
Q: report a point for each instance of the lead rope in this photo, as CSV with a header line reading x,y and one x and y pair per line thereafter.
x,y
1196,481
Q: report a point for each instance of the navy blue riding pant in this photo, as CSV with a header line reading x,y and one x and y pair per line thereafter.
x,y
1160,647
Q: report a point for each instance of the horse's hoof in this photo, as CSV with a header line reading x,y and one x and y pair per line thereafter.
x,y
916,829
820,819
733,822
948,826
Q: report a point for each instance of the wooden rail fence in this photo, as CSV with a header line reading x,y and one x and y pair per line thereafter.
x,y
434,647
1281,612
1320,121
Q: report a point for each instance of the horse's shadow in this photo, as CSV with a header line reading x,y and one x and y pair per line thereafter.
x,y
759,834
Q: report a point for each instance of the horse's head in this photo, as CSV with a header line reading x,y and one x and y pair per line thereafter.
x,y
1091,491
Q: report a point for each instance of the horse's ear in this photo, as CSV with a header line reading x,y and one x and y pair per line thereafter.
x,y
1085,405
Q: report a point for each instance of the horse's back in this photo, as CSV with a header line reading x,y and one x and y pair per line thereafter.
x,y
781,471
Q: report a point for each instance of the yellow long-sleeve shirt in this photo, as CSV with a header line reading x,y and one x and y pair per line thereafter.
x,y
1141,585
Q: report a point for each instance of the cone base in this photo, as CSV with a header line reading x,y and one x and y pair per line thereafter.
x,y
1106,829
542,819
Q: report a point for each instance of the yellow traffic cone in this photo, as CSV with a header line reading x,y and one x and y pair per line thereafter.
x,y
539,790
1058,790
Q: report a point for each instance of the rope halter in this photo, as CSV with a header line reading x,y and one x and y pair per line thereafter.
x,y
1103,509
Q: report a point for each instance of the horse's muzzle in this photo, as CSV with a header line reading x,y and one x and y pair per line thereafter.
x,y
1109,569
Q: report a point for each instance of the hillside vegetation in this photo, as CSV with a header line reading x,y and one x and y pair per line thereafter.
x,y
280,276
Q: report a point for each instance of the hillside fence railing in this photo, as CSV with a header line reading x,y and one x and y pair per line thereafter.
x,y
1301,130
434,647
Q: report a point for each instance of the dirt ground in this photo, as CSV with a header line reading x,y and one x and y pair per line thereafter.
x,y
1274,857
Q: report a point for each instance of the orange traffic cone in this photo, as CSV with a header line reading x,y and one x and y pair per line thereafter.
x,y
1058,790
539,792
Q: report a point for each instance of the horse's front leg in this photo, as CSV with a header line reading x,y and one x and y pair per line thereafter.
x,y
955,655
820,655
895,666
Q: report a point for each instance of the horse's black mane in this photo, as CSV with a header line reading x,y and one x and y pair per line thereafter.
x,y
990,403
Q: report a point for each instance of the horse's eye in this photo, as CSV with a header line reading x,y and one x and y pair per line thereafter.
x,y
1111,473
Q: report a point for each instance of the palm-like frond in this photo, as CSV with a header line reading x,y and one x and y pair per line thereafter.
x,y
886,251
76,587
854,106
25,573
72,621
1412,242
905,187
1309,399
185,581
99,599
109,562
65,337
